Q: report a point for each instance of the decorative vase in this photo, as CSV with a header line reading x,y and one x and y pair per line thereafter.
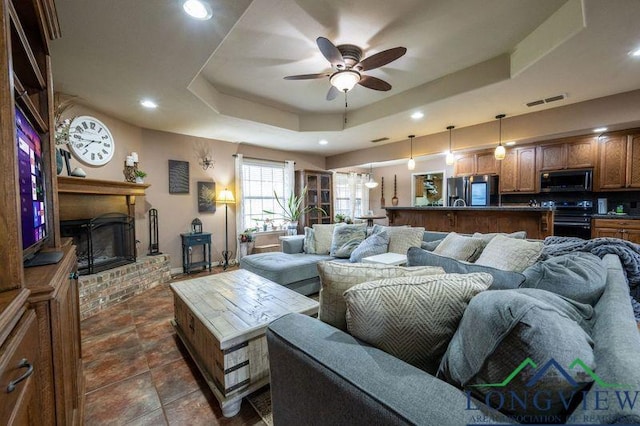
x,y
292,228
394,200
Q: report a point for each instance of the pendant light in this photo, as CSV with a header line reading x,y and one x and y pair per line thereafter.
x,y
371,183
450,159
500,152
411,164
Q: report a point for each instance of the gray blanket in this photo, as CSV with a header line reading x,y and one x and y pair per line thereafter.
x,y
627,252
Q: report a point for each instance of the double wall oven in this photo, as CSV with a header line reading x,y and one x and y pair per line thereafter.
x,y
572,218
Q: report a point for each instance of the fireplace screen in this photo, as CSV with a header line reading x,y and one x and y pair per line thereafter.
x,y
102,243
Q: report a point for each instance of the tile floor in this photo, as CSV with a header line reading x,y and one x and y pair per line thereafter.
x,y
138,373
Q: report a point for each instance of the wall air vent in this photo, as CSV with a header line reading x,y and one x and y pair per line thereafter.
x,y
547,100
380,140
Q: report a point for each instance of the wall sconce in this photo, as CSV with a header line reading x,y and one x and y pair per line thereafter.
x,y
204,153
206,162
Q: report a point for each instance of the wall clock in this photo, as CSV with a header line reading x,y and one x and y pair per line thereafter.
x,y
91,141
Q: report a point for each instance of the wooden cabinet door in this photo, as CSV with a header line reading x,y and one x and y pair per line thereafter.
x,y
486,164
526,169
612,158
632,235
552,157
508,175
465,165
580,154
606,233
633,161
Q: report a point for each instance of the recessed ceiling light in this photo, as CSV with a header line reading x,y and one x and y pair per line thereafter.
x,y
600,130
323,141
148,103
510,143
635,53
417,115
197,9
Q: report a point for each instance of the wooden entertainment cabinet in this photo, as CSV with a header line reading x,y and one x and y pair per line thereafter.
x,y
40,355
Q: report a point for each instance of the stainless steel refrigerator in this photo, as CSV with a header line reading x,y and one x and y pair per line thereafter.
x,y
479,190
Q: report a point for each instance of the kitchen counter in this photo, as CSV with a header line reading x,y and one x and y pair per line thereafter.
x,y
616,216
536,221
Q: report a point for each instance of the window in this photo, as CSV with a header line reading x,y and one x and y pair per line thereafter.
x,y
348,194
259,180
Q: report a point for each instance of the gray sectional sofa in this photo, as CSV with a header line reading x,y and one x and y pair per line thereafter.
x,y
322,375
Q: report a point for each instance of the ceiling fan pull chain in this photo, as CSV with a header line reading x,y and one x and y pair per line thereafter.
x,y
344,124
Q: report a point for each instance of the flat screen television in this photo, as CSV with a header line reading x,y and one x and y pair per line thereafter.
x,y
33,194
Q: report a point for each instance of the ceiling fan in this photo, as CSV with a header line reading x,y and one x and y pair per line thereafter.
x,y
346,59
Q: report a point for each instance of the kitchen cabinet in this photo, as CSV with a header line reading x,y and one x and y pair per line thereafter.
x,y
319,194
574,153
625,229
619,162
518,171
479,163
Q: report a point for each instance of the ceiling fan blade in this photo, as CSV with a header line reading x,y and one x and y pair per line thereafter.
x,y
381,58
307,76
331,52
374,83
332,93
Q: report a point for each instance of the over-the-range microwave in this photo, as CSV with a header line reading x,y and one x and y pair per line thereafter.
x,y
566,180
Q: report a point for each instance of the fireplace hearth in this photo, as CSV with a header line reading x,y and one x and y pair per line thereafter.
x,y
103,242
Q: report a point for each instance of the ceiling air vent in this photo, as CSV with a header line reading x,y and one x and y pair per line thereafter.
x,y
547,100
380,140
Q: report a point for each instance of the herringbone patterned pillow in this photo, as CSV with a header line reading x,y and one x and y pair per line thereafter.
x,y
412,318
336,277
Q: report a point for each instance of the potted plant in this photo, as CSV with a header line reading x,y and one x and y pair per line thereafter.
x,y
247,240
140,175
293,209
340,218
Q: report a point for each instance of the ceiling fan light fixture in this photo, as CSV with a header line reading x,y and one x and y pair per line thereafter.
x,y
500,152
345,80
197,9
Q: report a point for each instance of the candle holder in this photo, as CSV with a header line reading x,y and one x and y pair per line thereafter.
x,y
130,172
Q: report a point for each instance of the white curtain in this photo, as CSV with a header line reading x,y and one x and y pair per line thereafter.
x,y
240,226
352,181
365,193
289,179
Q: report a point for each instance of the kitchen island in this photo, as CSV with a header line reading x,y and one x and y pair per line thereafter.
x,y
536,221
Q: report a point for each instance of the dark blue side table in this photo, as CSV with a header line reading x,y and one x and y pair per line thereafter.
x,y
192,240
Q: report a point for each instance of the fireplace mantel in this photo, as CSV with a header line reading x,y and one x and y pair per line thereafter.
x,y
77,185
82,198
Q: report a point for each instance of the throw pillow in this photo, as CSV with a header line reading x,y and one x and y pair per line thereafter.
x,y
510,254
520,235
371,246
578,276
430,245
460,247
346,238
323,235
501,279
538,331
337,277
412,318
401,237
309,244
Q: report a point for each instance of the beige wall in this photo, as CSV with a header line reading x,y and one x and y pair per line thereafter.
x,y
176,211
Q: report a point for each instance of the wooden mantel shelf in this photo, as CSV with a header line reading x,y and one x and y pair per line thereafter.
x,y
77,185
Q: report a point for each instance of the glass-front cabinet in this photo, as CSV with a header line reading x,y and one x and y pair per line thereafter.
x,y
319,195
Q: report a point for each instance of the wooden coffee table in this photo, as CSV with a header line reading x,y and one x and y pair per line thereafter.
x,y
221,319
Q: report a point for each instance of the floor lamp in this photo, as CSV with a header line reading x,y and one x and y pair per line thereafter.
x,y
226,198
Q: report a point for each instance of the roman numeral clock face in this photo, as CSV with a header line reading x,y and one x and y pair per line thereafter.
x,y
90,140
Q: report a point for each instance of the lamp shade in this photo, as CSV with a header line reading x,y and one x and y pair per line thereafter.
x,y
226,197
450,159
500,152
411,164
345,80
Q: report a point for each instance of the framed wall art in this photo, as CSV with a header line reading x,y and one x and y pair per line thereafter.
x,y
178,177
206,197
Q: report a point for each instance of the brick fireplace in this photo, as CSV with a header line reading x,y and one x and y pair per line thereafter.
x,y
107,207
